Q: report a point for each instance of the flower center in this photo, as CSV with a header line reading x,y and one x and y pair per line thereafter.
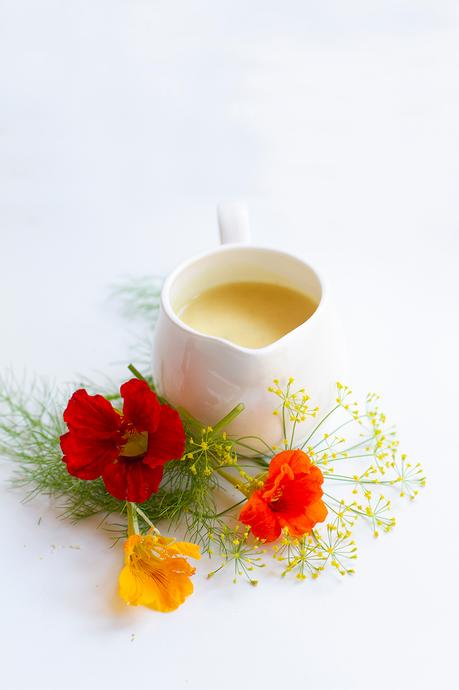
x,y
136,443
274,495
275,502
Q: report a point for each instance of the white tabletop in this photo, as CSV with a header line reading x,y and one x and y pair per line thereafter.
x,y
122,124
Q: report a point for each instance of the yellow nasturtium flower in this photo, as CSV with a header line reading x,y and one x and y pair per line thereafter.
x,y
155,574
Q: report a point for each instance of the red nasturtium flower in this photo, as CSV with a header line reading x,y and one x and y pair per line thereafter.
x,y
291,497
127,449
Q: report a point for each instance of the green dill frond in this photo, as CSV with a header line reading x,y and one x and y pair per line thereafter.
x,y
186,495
139,298
31,424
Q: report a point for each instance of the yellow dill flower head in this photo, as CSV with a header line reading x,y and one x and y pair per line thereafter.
x,y
155,574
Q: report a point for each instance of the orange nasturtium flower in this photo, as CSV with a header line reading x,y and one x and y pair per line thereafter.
x,y
154,573
290,498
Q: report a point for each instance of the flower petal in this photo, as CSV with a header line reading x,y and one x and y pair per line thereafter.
x,y
84,458
129,587
275,482
162,585
131,480
297,459
304,523
302,491
185,548
141,407
168,441
91,417
260,518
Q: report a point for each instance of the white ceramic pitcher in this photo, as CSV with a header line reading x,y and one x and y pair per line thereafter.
x,y
208,375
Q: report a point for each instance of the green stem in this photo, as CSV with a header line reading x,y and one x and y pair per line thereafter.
x,y
136,373
335,431
351,480
259,461
145,518
227,419
223,512
189,418
238,441
292,437
133,522
245,445
234,481
319,425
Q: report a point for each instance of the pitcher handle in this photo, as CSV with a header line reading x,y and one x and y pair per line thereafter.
x,y
233,222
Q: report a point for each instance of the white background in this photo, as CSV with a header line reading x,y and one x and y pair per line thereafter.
x,y
121,126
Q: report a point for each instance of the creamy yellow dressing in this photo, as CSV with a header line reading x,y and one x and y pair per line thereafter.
x,y
246,313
